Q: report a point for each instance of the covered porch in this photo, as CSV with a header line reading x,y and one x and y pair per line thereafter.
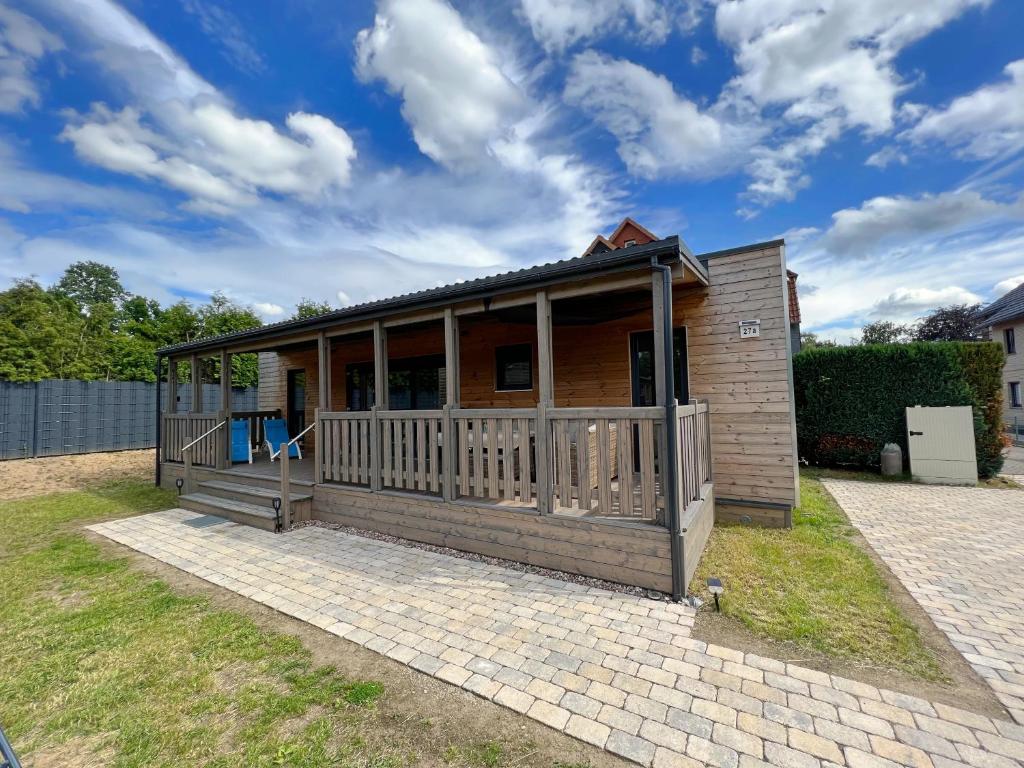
x,y
557,404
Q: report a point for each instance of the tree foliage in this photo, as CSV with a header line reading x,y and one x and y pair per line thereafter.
x,y
310,308
885,332
87,326
957,322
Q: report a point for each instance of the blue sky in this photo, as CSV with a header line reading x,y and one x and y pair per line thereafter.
x,y
347,151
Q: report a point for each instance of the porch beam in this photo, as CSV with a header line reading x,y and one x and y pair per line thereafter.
x,y
323,356
658,309
197,384
380,365
545,376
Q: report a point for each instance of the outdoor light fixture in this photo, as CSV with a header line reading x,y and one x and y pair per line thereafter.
x,y
715,588
179,483
277,513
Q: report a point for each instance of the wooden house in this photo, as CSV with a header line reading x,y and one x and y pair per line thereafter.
x,y
593,415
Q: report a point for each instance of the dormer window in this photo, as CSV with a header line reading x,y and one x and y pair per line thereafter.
x,y
629,243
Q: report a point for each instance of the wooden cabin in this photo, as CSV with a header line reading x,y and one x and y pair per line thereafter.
x,y
593,415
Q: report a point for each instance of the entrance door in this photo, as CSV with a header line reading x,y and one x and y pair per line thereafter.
x,y
641,356
296,401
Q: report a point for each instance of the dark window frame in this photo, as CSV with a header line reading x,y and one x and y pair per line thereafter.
x,y
1015,395
680,366
413,367
500,382
1010,341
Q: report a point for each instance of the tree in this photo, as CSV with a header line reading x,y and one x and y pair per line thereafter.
x,y
810,340
89,283
310,308
221,316
885,332
40,335
957,322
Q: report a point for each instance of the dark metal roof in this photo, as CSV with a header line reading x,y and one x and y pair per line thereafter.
x,y
706,257
538,276
1008,307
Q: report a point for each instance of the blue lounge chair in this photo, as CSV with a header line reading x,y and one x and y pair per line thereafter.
x,y
241,444
275,432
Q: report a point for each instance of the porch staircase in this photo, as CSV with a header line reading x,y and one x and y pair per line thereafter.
x,y
245,503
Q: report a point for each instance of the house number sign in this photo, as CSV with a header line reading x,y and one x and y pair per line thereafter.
x,y
750,329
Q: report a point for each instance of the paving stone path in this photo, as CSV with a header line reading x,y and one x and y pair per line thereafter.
x,y
960,553
613,670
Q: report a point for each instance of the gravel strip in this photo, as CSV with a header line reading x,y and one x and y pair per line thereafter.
x,y
572,578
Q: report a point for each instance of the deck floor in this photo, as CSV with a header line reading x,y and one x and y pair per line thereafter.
x,y
300,470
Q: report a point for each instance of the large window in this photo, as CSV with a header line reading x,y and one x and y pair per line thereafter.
x,y
514,368
1010,341
641,352
413,383
1015,401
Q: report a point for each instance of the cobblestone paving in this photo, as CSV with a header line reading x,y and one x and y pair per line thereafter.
x,y
960,553
613,670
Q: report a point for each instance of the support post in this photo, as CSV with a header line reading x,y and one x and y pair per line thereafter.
x,y
197,385
159,416
380,365
318,448
222,447
662,394
545,398
323,351
376,482
286,495
172,385
225,405
452,373
187,459
448,458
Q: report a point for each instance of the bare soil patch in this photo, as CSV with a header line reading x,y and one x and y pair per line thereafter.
x,y
21,478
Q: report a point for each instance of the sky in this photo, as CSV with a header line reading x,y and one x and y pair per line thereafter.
x,y
350,151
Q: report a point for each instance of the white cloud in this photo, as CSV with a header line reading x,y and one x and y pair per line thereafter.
x,y
892,220
455,95
23,41
659,132
886,156
777,172
225,30
558,24
697,56
907,304
183,133
818,57
268,309
1007,285
983,124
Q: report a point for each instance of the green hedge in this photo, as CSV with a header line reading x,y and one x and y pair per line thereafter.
x,y
851,401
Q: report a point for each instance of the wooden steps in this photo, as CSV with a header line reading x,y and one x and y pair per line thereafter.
x,y
245,504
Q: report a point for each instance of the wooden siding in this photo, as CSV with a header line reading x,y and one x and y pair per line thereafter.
x,y
748,382
1013,369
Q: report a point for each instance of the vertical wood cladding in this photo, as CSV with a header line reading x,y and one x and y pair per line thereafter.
x,y
746,381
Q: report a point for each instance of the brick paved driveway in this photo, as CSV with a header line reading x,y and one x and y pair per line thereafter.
x,y
960,553
616,671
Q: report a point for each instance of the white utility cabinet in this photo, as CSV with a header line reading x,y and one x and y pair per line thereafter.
x,y
941,445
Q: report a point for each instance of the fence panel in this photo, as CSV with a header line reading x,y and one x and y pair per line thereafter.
x,y
57,417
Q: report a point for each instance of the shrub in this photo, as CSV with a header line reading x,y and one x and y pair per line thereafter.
x,y
851,401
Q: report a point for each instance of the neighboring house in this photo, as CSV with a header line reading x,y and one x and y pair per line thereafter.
x,y
525,414
1004,319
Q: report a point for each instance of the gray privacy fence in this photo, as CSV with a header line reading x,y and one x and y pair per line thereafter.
x,y
56,417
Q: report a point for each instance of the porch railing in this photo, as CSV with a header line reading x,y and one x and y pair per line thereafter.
x,y
601,462
180,429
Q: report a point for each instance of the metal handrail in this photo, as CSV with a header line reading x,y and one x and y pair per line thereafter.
x,y
292,442
7,757
205,434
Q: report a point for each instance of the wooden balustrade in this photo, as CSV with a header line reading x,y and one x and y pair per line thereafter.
x,y
496,453
607,461
410,450
345,441
180,429
694,426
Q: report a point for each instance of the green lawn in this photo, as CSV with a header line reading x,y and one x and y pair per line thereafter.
x,y
102,663
814,587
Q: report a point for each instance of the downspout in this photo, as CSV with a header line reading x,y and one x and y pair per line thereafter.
x,y
159,419
671,436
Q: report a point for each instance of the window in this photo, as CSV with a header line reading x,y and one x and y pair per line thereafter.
x,y
413,383
1009,341
1015,394
629,244
514,368
641,346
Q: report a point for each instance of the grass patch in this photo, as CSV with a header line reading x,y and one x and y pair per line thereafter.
x,y
814,587
103,663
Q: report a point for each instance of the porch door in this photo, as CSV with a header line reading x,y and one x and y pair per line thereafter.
x,y
296,401
641,355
